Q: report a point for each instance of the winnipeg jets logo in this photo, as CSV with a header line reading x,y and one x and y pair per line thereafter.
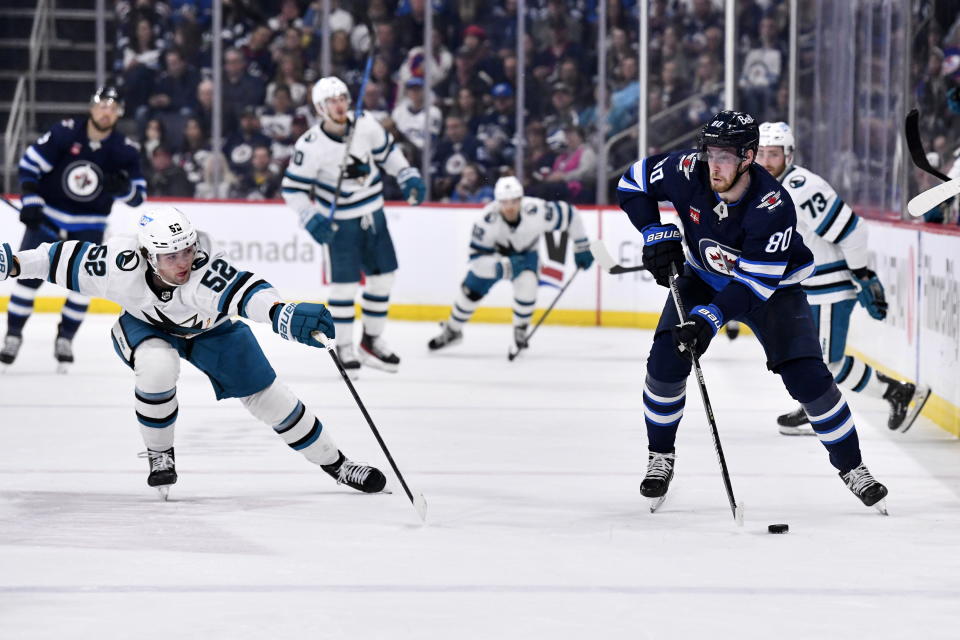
x,y
718,258
770,201
81,181
128,260
687,163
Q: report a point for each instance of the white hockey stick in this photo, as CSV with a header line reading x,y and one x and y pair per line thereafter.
x,y
606,261
416,498
930,198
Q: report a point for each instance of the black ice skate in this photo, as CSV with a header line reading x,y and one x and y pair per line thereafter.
x,y
163,470
355,475
375,353
520,336
901,395
657,480
733,329
864,486
795,423
447,337
348,358
63,352
11,347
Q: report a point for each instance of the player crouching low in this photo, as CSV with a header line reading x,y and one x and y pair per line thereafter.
x,y
503,246
177,303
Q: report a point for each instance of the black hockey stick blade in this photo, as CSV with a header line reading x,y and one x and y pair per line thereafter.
x,y
606,261
914,144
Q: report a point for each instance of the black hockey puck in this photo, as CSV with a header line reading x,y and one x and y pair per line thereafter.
x,y
778,528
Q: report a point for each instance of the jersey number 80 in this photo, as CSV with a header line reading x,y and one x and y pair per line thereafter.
x,y
780,241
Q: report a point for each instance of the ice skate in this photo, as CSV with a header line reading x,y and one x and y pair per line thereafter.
x,y
348,358
520,336
864,486
163,470
795,423
356,475
448,336
657,480
11,347
63,352
901,395
375,353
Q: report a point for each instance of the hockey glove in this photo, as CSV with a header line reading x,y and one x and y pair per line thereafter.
x,y
583,259
662,250
299,321
116,184
412,184
695,333
870,293
31,213
8,267
357,168
319,226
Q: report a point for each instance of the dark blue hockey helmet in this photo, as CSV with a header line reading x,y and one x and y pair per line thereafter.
x,y
735,129
107,93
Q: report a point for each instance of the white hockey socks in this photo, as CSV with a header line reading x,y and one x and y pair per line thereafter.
x,y
857,376
341,306
375,303
300,429
156,368
524,298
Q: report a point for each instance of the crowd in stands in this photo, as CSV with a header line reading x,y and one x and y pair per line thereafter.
x,y
272,57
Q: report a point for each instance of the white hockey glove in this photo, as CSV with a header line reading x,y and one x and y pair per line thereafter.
x,y
8,265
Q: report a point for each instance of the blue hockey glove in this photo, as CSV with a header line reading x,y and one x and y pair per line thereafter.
x,y
870,293
356,168
953,99
319,226
520,262
583,259
662,250
695,333
31,213
299,321
412,184
8,268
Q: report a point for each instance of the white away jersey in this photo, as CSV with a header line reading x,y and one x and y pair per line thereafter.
x,y
311,177
833,233
116,271
492,234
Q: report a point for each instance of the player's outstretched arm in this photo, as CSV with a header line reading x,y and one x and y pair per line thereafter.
x,y
78,266
574,226
299,321
387,154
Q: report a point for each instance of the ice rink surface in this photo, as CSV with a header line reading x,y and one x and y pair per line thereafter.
x,y
536,528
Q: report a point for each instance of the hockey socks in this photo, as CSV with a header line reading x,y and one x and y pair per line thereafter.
x,y
73,314
21,305
157,414
857,376
832,421
293,422
662,410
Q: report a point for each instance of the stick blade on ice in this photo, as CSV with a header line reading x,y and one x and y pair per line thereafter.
x,y
929,199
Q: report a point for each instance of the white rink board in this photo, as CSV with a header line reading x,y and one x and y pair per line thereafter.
x,y
940,315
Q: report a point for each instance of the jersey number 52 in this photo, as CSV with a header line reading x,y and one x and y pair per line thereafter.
x,y
216,282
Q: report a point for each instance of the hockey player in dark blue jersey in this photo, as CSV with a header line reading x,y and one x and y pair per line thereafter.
x,y
744,261
69,179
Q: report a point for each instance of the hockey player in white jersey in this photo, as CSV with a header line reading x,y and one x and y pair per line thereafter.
x,y
178,301
503,246
838,239
358,239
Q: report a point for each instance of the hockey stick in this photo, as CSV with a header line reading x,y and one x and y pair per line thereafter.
x,y
514,352
416,499
912,130
923,202
735,508
55,233
606,261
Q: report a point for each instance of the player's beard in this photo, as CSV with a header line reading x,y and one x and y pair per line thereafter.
x,y
725,186
99,127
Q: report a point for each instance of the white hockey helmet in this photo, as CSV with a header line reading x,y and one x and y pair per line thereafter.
x,y
164,229
326,88
777,134
507,188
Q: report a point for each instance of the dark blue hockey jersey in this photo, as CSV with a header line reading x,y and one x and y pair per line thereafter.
x,y
67,170
745,250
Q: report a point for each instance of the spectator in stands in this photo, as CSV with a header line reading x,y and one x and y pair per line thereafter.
x,y
708,87
762,69
455,150
176,89
165,179
471,188
276,122
240,89
468,108
343,63
560,46
387,45
257,52
497,128
240,143
703,16
581,90
262,182
465,75
290,74
289,17
374,103
141,61
410,118
539,156
575,168
154,134
503,25
209,187
382,76
415,63
673,87
193,152
561,111
205,105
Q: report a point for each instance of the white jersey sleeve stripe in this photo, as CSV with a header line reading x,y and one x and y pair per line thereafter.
x,y
38,159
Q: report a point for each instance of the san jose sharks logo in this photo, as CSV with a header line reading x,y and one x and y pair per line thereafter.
x,y
189,327
770,201
128,260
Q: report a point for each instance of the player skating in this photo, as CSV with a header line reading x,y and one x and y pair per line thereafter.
x,y
358,238
743,261
838,240
503,246
69,180
177,302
